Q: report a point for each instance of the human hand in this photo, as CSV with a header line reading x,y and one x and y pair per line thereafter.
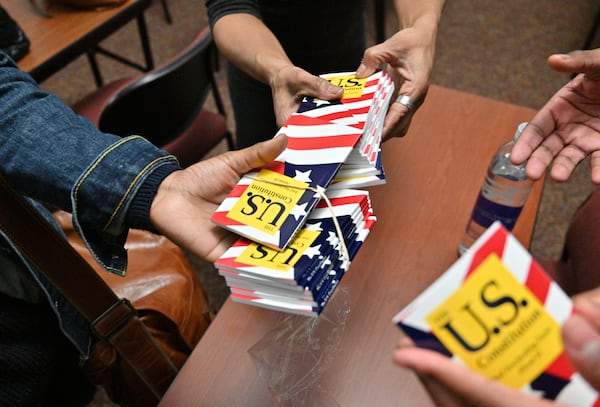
x,y
581,336
186,199
409,56
452,385
291,84
567,128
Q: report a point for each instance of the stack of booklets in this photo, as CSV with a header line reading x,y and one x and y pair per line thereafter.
x,y
364,108
498,313
333,148
302,277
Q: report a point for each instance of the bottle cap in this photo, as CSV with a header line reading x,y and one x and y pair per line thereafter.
x,y
520,129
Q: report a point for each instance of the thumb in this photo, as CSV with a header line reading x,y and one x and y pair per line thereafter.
x,y
325,90
259,154
582,345
587,62
370,62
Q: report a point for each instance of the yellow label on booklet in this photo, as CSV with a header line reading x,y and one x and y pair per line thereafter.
x,y
262,256
265,204
497,327
353,86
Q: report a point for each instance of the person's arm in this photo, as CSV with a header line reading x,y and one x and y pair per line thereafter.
x,y
567,129
248,43
109,183
409,56
54,156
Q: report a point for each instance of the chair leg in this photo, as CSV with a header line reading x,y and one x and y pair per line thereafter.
x,y
166,10
91,56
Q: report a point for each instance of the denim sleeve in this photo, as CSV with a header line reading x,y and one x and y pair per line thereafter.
x,y
103,194
52,155
219,8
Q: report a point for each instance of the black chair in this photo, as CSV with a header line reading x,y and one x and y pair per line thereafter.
x,y
165,105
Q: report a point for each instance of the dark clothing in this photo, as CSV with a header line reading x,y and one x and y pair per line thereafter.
x,y
320,36
40,367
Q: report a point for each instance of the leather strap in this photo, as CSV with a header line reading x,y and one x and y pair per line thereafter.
x,y
111,318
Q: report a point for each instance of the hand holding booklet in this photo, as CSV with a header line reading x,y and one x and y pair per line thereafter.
x,y
299,218
498,313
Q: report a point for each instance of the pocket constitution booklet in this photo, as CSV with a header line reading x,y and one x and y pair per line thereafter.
x,y
301,278
296,246
498,313
329,143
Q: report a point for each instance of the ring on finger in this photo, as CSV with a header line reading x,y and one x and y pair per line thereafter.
x,y
405,101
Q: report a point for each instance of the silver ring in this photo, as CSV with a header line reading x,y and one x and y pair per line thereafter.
x,y
406,101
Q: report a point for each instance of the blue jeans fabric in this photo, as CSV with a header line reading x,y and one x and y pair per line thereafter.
x,y
51,155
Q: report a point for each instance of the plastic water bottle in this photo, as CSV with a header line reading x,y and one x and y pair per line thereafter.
x,y
502,196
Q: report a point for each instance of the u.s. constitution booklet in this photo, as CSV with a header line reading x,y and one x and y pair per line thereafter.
x,y
498,313
331,145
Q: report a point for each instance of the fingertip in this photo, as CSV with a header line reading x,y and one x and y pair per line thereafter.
x,y
517,157
402,358
559,58
282,140
361,71
559,173
335,91
533,173
535,168
568,63
596,175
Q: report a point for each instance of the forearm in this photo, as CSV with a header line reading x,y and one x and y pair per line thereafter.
x,y
424,14
245,41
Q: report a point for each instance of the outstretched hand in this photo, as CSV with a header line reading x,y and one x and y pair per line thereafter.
x,y
567,128
186,199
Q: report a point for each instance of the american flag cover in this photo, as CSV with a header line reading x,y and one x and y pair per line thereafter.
x,y
306,251
497,312
271,213
271,204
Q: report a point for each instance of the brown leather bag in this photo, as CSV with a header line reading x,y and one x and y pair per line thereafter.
x,y
140,347
169,299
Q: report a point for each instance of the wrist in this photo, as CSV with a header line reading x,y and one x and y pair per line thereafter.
x,y
138,214
427,16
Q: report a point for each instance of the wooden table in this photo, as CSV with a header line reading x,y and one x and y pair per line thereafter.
x,y
68,33
434,175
